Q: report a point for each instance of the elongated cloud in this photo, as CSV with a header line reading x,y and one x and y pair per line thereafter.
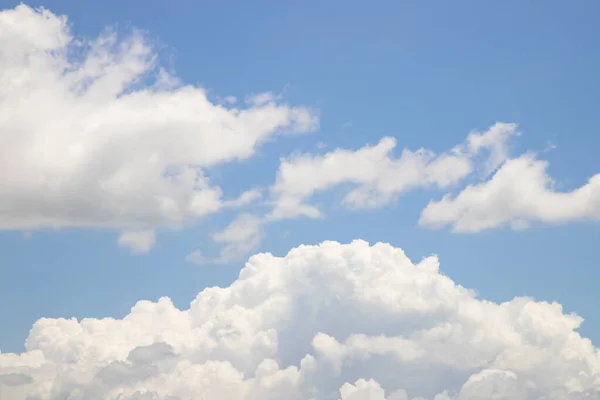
x,y
519,193
96,134
378,176
332,321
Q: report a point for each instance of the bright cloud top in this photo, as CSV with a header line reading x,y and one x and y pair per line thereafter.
x,y
96,134
334,321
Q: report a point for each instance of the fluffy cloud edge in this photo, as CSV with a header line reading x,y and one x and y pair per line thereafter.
x,y
330,321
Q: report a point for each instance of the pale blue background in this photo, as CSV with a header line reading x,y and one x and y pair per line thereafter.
x,y
426,72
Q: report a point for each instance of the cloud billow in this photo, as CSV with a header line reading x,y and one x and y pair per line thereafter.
x,y
334,321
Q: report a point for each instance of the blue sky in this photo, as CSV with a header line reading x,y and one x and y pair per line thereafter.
x,y
425,73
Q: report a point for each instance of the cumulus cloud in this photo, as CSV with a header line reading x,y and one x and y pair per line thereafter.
x,y
379,177
519,193
326,322
95,133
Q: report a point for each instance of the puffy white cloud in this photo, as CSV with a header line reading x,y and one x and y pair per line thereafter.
x,y
331,321
95,133
138,241
380,177
519,193
240,237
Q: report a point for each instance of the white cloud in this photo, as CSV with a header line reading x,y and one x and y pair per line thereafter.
x,y
86,140
378,176
245,198
332,321
240,237
196,257
519,193
138,241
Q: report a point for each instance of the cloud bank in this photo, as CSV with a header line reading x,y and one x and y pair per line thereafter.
x,y
333,321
